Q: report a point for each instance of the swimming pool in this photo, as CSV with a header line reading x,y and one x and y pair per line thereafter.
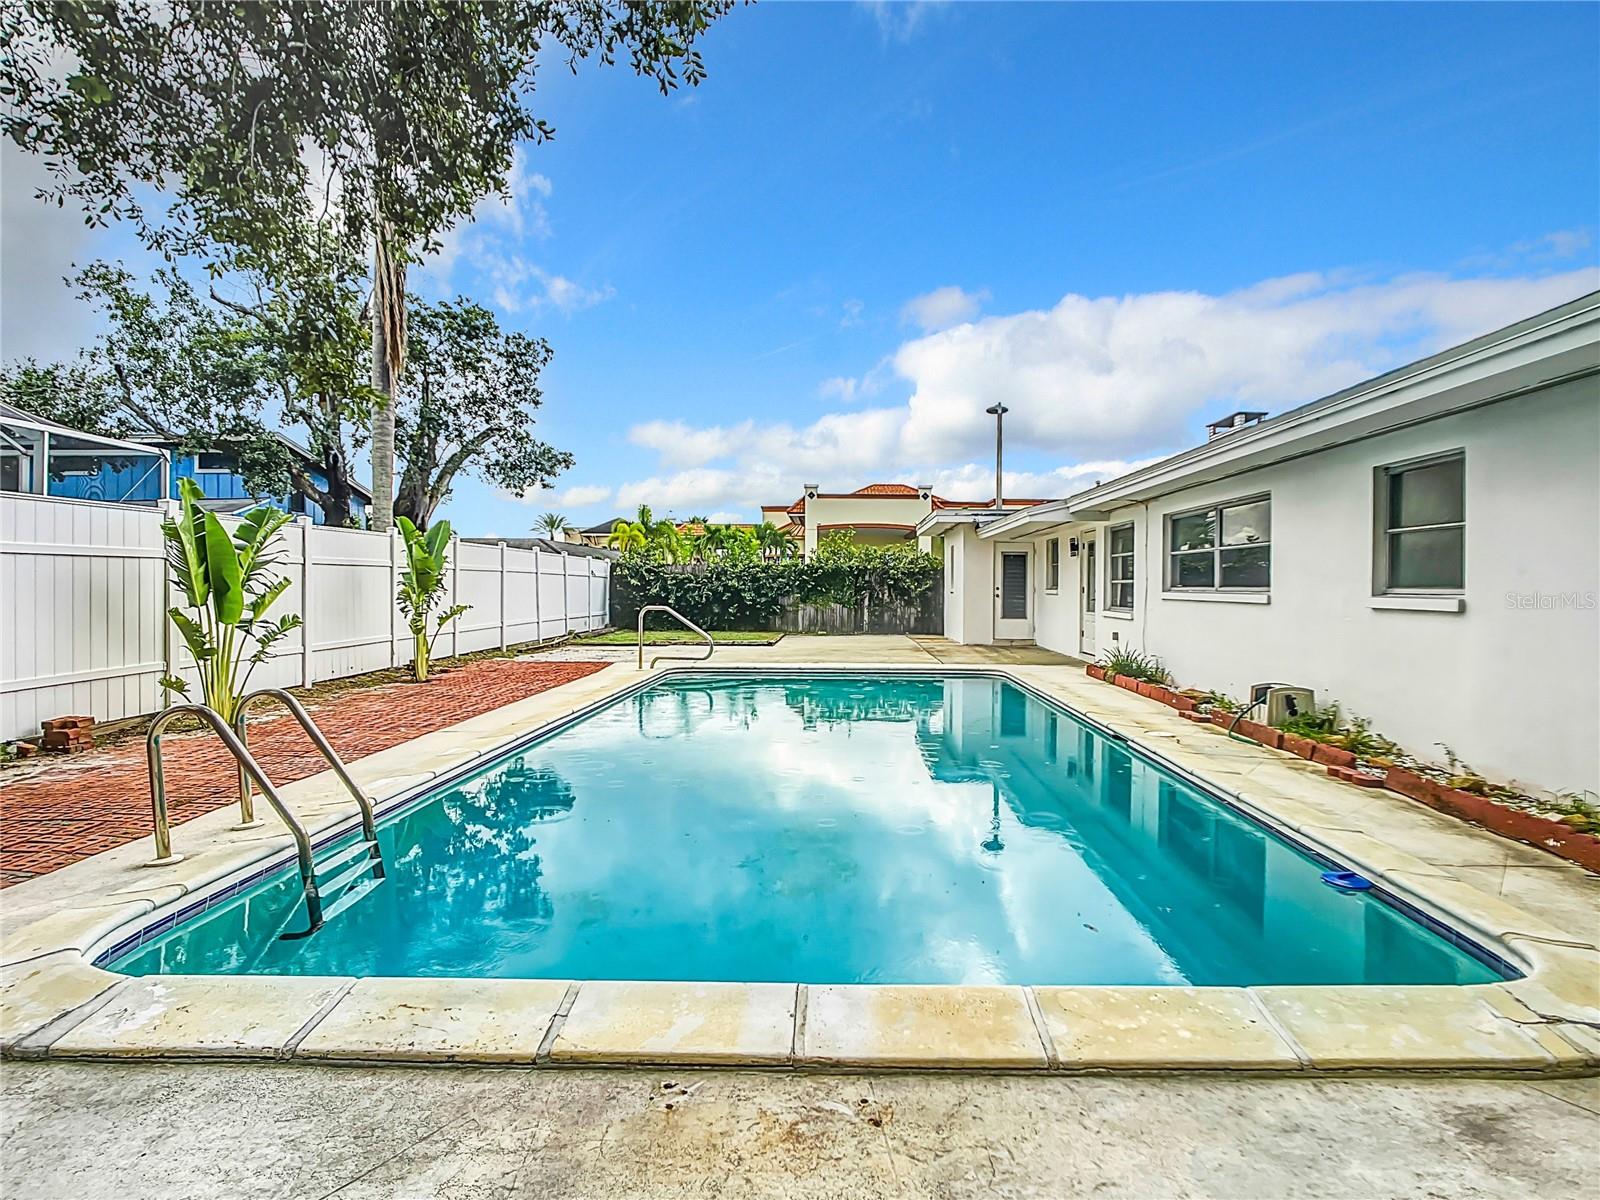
x,y
830,829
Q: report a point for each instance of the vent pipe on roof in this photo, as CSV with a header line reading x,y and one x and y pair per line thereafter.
x,y
1233,421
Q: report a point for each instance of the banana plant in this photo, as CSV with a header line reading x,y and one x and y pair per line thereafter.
x,y
228,582
422,589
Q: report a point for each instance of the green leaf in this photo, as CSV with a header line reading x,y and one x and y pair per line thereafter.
x,y
222,565
266,599
89,87
172,683
194,636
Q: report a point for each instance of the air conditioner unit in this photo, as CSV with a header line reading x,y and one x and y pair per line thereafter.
x,y
1280,701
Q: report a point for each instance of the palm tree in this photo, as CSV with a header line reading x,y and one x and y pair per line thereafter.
x,y
628,537
774,542
553,525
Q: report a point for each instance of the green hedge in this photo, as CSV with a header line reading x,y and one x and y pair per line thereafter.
x,y
747,593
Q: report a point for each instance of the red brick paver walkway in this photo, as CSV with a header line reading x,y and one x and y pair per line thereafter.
x,y
71,812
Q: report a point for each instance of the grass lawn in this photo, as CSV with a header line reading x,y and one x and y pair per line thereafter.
x,y
675,637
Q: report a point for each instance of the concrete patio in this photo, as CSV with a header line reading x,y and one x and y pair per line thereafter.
x,y
96,1132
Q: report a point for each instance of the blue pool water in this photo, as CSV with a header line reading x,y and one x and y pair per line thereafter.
x,y
829,829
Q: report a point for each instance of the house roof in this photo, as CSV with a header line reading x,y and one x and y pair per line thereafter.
x,y
21,418
1551,347
300,451
604,526
577,549
886,489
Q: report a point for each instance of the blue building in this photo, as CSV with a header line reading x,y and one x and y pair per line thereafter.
x,y
41,456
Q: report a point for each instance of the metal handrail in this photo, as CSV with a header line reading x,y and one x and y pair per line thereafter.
x,y
677,616
252,771
318,739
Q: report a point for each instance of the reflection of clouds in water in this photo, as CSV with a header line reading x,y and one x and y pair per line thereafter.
x,y
893,831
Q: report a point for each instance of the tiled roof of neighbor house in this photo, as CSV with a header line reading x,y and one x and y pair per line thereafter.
x,y
886,489
604,526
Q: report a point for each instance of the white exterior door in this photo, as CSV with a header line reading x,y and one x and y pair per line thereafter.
x,y
1088,600
1013,593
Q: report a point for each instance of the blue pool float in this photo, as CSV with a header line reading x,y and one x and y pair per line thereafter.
x,y
1347,881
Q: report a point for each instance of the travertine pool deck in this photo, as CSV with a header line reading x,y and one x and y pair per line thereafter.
x,y
1533,910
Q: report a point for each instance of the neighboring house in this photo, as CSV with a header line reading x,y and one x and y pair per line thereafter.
x,y
878,514
88,472
46,458
548,545
1421,549
596,535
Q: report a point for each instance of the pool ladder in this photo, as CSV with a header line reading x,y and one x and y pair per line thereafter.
x,y
680,619
346,875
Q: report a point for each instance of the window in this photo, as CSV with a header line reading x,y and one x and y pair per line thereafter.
x,y
216,460
1422,512
63,465
1052,565
1122,567
1225,546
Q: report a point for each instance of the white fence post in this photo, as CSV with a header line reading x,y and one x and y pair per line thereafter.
x,y
502,597
455,592
538,624
308,671
394,604
566,595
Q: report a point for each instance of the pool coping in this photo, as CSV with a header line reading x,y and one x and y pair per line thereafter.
x,y
55,1003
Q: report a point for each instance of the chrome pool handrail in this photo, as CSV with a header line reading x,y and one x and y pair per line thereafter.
x,y
318,739
249,768
677,616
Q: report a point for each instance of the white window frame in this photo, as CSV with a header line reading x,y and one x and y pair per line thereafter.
x,y
1132,556
1172,588
1382,529
199,470
1052,566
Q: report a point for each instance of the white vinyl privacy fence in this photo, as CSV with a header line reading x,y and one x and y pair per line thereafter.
x,y
84,593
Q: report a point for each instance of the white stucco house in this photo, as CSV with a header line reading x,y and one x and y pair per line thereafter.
x,y
1422,548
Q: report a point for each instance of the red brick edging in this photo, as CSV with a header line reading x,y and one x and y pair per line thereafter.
x,y
1548,835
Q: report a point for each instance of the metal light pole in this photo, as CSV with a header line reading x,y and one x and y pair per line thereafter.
x,y
998,412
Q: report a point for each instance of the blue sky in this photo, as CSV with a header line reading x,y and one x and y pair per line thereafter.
x,y
873,221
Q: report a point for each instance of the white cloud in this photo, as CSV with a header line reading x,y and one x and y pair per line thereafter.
x,y
582,495
579,495
520,285
679,444
852,313
1129,373
942,308
494,242
1562,243
1095,383
899,20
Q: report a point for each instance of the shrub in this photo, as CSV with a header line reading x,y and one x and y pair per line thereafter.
x,y
745,592
1135,665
